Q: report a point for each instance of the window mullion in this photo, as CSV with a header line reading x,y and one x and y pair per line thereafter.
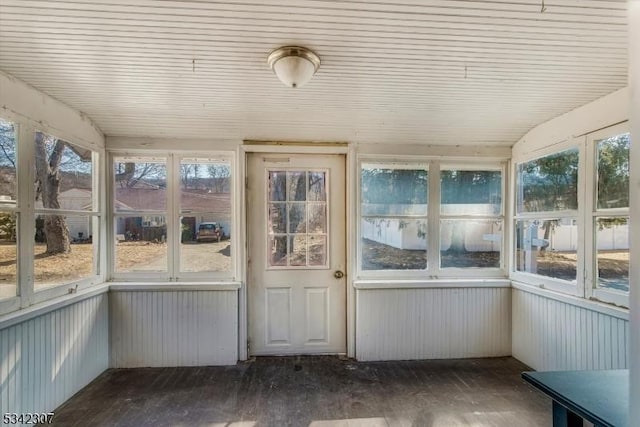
x,y
173,213
589,190
433,220
26,220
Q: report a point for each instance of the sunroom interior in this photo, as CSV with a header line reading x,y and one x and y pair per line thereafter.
x,y
455,181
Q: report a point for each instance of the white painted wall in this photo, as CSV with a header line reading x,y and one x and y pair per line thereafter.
x,y
550,334
427,323
45,360
173,328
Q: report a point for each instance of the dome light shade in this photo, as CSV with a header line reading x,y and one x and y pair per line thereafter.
x,y
294,65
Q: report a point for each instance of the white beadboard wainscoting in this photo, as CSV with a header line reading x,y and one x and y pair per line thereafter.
x,y
173,328
433,323
48,357
555,333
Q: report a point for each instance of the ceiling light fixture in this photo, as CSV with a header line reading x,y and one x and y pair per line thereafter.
x,y
294,65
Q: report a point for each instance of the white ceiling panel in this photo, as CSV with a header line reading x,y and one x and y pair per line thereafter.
x,y
413,71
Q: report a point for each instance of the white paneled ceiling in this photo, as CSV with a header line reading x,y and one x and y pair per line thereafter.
x,y
412,71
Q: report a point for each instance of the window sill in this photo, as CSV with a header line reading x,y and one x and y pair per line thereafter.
x,y
38,309
597,306
173,286
430,284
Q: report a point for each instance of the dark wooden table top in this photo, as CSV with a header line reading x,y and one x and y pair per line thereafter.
x,y
601,397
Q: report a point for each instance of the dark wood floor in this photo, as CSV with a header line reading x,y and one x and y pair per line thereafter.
x,y
313,391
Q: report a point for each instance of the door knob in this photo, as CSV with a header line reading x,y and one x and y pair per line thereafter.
x,y
338,274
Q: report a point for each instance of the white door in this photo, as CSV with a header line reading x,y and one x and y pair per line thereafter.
x,y
296,248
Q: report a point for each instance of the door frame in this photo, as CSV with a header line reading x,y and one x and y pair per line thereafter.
x,y
269,147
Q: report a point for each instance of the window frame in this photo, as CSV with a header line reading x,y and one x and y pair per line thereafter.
x,y
26,295
558,285
433,217
592,212
172,215
474,271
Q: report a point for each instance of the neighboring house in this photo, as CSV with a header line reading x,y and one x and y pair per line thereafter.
x,y
197,206
75,199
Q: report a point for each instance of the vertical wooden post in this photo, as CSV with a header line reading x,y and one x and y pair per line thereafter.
x,y
634,208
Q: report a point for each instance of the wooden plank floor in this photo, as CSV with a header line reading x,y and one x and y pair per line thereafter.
x,y
313,391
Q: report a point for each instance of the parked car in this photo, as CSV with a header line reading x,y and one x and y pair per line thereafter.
x,y
209,231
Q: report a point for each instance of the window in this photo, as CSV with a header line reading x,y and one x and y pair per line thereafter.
x,y
140,214
431,220
49,216
205,215
471,219
608,217
8,211
393,226
572,233
546,222
172,217
66,213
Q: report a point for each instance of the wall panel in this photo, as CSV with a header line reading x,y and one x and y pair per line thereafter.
x,y
398,324
173,328
554,335
48,358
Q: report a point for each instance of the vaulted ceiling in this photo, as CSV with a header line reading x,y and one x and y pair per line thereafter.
x,y
412,71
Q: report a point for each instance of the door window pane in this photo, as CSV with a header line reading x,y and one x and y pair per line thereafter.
x,y
612,245
613,172
317,186
548,183
297,186
470,243
547,247
141,243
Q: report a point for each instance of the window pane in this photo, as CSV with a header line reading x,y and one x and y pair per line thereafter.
x,y
277,186
64,249
393,191
277,251
297,184
466,192
393,244
8,254
317,249
7,164
317,186
547,247
63,174
613,172
204,244
205,186
277,218
141,243
470,243
549,183
612,243
140,184
297,218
